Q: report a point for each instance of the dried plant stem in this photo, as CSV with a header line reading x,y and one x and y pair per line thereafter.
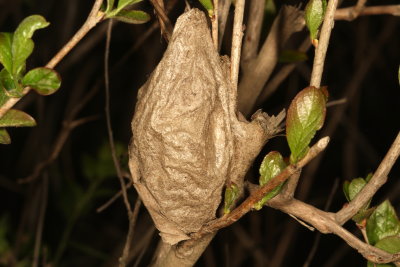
x,y
237,41
165,24
378,179
94,18
214,25
320,51
348,12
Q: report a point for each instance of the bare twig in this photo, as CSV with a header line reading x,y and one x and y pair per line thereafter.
x,y
253,30
129,237
214,25
113,199
165,23
320,51
223,12
39,228
258,194
378,179
257,72
94,17
346,13
237,42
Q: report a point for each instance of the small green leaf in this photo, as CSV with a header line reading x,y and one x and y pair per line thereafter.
x,y
43,80
231,195
22,45
132,16
382,223
120,6
9,87
208,5
5,50
362,215
4,137
355,186
389,244
271,166
306,115
314,16
17,118
290,56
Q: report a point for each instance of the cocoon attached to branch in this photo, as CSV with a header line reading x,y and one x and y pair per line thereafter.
x,y
187,140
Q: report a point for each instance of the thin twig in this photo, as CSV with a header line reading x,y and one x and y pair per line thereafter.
x,y
378,179
237,42
123,258
39,228
253,30
165,23
223,13
94,17
113,198
258,194
214,25
346,13
320,51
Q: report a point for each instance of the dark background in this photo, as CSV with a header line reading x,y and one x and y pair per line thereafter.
x,y
81,178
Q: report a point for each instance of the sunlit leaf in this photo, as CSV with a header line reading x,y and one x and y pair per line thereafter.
x,y
5,50
43,80
17,118
133,16
271,166
231,195
306,115
4,137
382,223
208,5
22,45
290,56
314,16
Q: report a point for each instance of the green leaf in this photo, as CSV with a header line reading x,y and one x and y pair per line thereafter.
x,y
43,80
231,195
110,6
22,45
290,56
9,87
5,50
362,215
355,186
208,4
314,16
382,223
4,137
306,115
271,166
17,118
132,16
120,6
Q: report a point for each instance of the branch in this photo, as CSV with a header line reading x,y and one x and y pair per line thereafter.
x,y
165,24
237,42
223,12
253,30
320,51
257,71
348,12
214,24
378,179
258,194
94,18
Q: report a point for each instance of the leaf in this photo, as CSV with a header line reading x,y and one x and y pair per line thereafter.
x,y
110,6
382,223
355,186
306,115
43,80
4,137
208,5
120,6
314,16
289,56
5,50
132,16
271,166
231,195
22,45
9,86
389,244
17,118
